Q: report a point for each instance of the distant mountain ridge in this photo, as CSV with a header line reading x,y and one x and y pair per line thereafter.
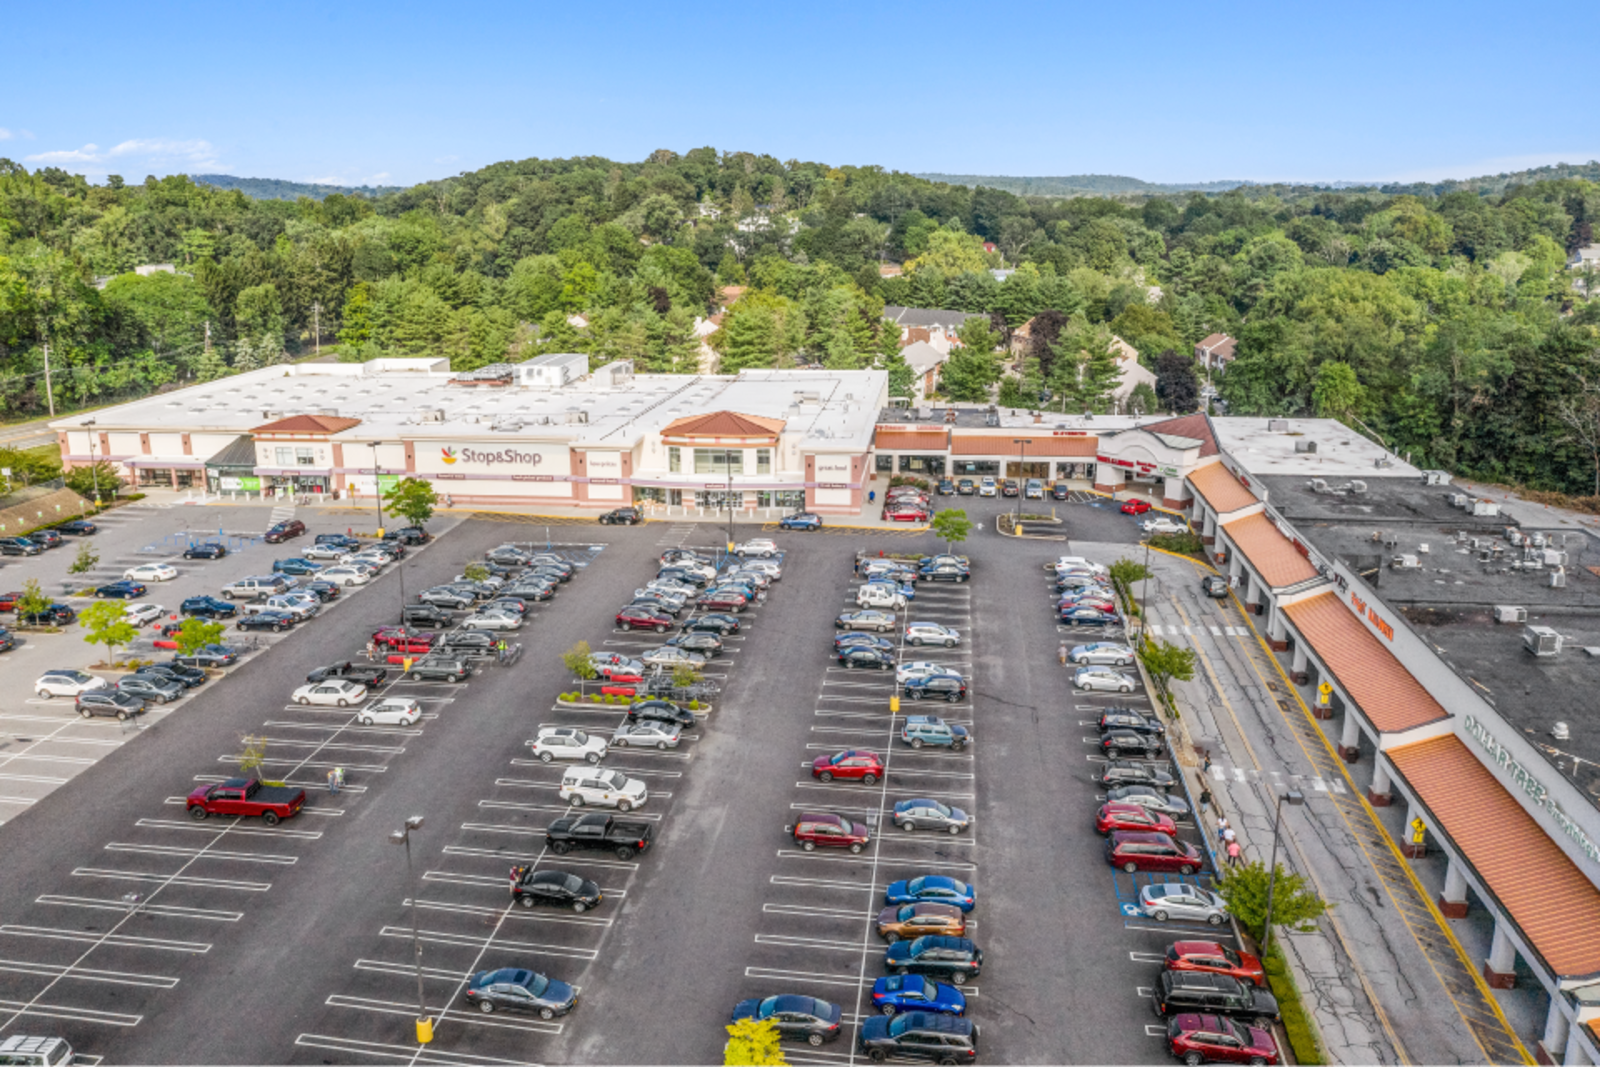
x,y
1080,184
278,189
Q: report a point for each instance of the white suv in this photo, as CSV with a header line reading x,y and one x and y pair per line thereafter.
x,y
608,789
873,595
566,742
1104,679
987,487
931,633
68,683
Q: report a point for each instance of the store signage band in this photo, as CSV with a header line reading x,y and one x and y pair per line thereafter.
x,y
1372,615
1532,786
1139,465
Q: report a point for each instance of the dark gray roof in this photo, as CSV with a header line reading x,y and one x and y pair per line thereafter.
x,y
929,316
240,452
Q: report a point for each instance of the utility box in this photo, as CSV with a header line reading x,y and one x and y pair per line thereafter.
x,y
1542,641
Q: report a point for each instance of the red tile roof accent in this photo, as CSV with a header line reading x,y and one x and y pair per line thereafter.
x,y
1040,445
308,424
1273,555
1391,699
919,440
723,424
1195,426
1546,894
1221,489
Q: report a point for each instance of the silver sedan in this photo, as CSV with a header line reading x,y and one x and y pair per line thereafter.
x,y
1103,652
1180,900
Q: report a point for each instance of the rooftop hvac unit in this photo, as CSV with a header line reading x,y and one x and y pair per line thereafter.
x,y
1505,613
431,415
1319,485
1405,563
577,415
1537,540
1305,446
1459,500
1514,535
1541,641
1555,558
1485,507
1383,462
1558,578
1358,486
1282,426
1435,477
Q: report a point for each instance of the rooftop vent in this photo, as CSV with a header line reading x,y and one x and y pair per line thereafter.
x,y
1358,486
1541,641
1435,477
1558,578
1507,613
1485,507
1282,426
1383,462
1560,732
1305,446
431,415
1405,563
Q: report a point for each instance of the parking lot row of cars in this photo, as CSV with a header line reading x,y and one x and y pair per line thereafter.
x,y
1210,996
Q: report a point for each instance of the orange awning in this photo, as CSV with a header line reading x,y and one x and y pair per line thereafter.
x,y
1385,691
929,440
1272,555
1554,905
1220,488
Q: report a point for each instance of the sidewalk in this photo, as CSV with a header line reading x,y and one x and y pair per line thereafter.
x,y
1382,974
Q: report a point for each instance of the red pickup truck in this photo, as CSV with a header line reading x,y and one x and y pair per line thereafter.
x,y
246,797
398,639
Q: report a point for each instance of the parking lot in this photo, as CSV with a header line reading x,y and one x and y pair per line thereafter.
x,y
134,931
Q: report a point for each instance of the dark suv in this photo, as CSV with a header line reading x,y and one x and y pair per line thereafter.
x,y
108,702
424,615
952,958
920,1035
284,530
1183,991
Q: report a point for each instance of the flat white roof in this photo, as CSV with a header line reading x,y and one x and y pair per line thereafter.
x,y
391,399
1340,450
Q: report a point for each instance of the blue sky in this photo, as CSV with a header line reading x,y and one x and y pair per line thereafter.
x,y
402,92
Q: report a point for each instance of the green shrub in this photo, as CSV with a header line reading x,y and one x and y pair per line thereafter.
x,y
1184,544
1296,1021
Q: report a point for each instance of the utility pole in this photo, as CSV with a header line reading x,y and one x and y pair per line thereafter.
x,y
316,327
49,394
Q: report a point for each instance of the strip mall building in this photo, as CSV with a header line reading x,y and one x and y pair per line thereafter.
x,y
1451,653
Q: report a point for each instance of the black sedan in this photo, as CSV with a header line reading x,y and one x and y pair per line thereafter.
x,y
853,656
205,550
674,555
1059,491
859,640
78,527
276,621
660,711
1117,743
208,607
562,889
323,591
705,643
622,517
1088,616
186,676
54,615
108,702
1118,773
946,487
123,590
151,687
946,687
796,1018
714,622
515,989
209,656
1128,719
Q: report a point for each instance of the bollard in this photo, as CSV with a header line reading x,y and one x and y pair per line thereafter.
x,y
424,1031
894,705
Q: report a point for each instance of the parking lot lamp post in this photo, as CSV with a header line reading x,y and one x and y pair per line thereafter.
x,y
1296,799
728,463
1022,452
377,488
1144,591
94,470
403,837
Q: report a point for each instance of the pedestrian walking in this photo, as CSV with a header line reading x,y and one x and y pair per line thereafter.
x,y
1205,799
1228,835
335,780
872,496
1206,766
372,651
1233,853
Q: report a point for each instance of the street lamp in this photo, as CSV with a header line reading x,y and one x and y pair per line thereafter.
x,y
377,489
727,455
94,467
1296,799
1022,444
403,837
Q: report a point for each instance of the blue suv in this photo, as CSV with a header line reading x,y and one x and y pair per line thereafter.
x,y
801,520
921,730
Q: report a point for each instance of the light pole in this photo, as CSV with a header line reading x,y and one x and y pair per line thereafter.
x,y
1296,799
377,489
94,467
727,455
403,837
1022,444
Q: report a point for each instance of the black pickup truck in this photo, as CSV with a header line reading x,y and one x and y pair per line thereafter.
x,y
368,676
599,832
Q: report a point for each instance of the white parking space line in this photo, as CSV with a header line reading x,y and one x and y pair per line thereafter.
x,y
443,937
69,1014
400,1053
525,915
120,940
198,853
815,943
935,794
826,883
397,1007
170,911
849,914
499,857
85,974
168,879
245,831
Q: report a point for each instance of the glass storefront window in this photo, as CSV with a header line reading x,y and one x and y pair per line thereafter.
x,y
674,459
718,461
966,468
649,494
790,498
922,465
885,463
763,461
285,457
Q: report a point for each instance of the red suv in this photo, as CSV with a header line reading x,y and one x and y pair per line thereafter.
x,y
1217,959
396,639
1151,852
1135,507
1132,817
815,830
1218,1039
284,530
865,766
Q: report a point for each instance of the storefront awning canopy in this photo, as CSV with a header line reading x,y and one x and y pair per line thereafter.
x,y
1039,446
240,452
1386,692
1273,555
1217,485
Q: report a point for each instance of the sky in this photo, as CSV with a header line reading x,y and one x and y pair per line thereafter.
x,y
359,93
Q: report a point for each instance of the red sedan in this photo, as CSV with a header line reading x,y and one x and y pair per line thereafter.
x,y
905,513
397,639
1133,817
863,766
1135,507
1105,604
1216,959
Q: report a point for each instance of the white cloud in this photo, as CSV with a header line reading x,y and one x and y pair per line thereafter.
x,y
157,153
5,134
87,154
1495,165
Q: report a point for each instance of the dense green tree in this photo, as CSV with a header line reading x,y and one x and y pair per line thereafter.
x,y
1177,382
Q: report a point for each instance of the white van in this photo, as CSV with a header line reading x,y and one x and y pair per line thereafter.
x,y
875,595
606,789
35,1051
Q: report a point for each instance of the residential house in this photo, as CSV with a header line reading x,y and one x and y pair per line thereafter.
x,y
1215,352
1586,257
1130,371
924,360
935,326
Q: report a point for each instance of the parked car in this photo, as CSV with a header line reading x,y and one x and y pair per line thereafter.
x,y
794,1017
143,613
1118,744
1124,772
966,487
1106,652
850,765
1010,487
1103,680
151,572
52,615
400,639
724,600
1181,900
439,667
760,547
1060,491
1198,1038
276,621
568,743
492,620
335,692
930,730
920,1035
622,517
944,687
368,676
801,520
596,832
905,921
1150,798
944,571
346,574
1087,615
1162,526
1128,719
282,531
207,607
906,512
955,958
68,683
123,590
1135,507
1132,817
701,642
563,889
926,813
445,597
391,711
813,830
1214,586
108,702
897,993
184,676
246,798
606,789
1216,959
853,656
854,638
934,888
78,527
988,487
208,656
1147,851
296,566
659,711
922,669
647,733
866,619
19,546
671,656
518,989
946,487
424,615
614,666
408,535
1033,489
932,633
256,587
1176,992
150,687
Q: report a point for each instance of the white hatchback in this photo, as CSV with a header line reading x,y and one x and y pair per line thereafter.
x,y
391,711
566,742
151,572
987,487
345,575
1103,679
335,692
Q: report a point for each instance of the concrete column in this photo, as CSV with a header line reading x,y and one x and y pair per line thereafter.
x,y
1208,525
1500,969
1297,666
1378,794
1453,901
1577,1053
1350,736
1251,591
1235,563
1277,630
1553,1046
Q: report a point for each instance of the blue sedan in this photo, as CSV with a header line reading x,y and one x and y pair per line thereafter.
x,y
208,607
295,566
801,520
1088,616
123,590
931,888
912,992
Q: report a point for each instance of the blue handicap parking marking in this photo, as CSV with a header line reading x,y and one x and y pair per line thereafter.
x,y
1130,910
